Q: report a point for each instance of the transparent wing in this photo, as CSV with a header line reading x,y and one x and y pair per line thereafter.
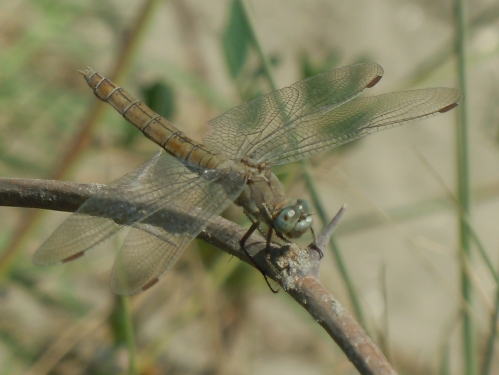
x,y
101,216
270,121
359,117
319,113
142,259
166,200
152,248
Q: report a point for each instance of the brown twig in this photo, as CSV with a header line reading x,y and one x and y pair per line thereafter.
x,y
294,268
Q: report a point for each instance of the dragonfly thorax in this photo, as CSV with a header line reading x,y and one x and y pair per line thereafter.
x,y
263,200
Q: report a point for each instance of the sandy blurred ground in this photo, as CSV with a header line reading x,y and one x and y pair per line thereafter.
x,y
406,271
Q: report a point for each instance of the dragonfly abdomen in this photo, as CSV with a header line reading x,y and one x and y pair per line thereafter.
x,y
154,126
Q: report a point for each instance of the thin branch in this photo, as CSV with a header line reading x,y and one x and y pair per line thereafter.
x,y
294,268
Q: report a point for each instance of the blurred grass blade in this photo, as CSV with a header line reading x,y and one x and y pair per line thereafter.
x,y
463,192
338,257
443,368
235,39
489,348
121,325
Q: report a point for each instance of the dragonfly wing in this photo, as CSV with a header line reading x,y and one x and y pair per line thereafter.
x,y
246,129
143,259
169,201
359,117
98,218
155,244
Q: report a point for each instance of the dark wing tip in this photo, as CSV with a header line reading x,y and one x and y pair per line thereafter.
x,y
73,257
150,284
374,81
448,108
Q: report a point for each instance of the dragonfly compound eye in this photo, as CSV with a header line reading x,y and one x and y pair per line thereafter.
x,y
294,220
303,225
304,206
287,220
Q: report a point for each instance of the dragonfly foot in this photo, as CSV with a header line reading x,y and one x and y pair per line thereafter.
x,y
259,269
313,246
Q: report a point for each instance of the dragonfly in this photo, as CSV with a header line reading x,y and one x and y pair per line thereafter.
x,y
169,200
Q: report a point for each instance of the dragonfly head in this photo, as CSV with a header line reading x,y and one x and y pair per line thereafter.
x,y
295,219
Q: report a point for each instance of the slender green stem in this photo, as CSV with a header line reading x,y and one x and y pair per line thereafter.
x,y
256,42
334,247
477,22
129,335
489,348
463,192
464,215
310,184
444,362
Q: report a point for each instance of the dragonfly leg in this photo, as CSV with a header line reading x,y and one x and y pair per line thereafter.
x,y
247,235
281,236
242,243
314,246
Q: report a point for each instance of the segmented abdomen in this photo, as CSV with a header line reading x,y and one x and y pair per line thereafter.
x,y
154,126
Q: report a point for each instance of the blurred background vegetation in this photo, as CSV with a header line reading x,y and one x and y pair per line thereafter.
x,y
191,60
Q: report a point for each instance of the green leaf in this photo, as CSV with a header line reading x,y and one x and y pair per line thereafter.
x,y
160,97
236,39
